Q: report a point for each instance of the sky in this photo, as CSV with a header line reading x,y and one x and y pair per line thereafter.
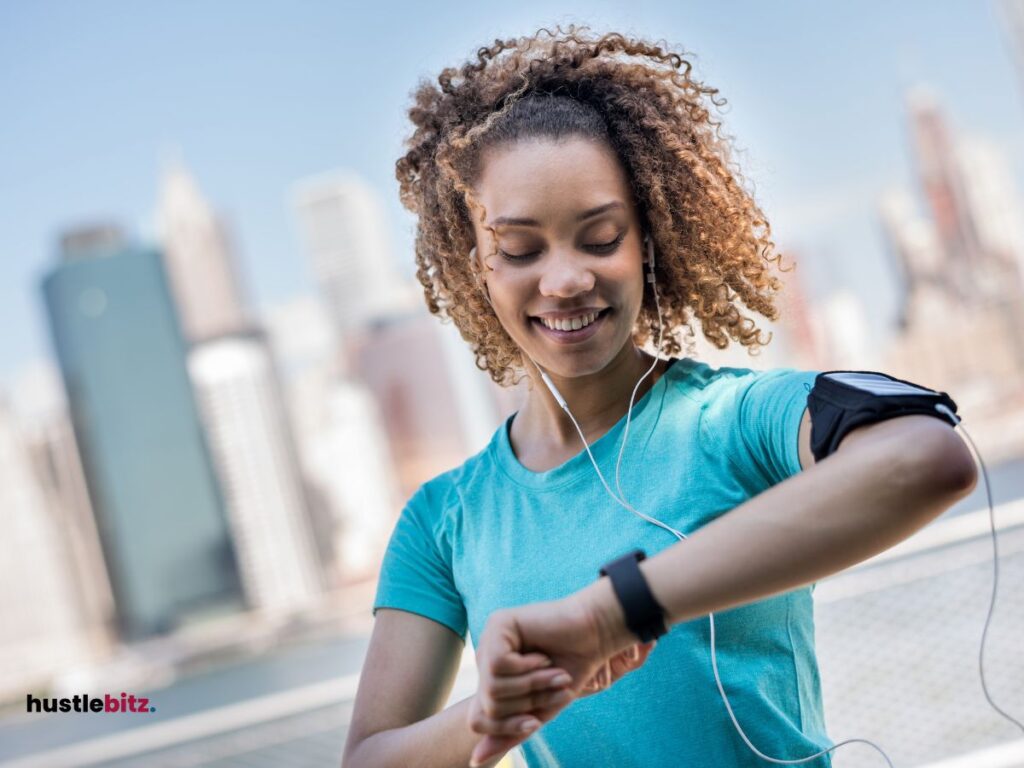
x,y
253,96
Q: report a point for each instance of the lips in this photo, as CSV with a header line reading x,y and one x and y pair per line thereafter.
x,y
572,337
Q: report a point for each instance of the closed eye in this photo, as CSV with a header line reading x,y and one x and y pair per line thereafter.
x,y
600,248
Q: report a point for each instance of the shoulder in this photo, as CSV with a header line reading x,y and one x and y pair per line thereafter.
x,y
724,385
759,417
439,500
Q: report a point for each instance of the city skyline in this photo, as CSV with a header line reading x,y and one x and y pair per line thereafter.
x,y
821,195
220,383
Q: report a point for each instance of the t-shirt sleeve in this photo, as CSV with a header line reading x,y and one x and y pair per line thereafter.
x,y
416,574
757,420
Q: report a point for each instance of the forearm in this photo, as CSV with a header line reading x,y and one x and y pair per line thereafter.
x,y
443,740
834,514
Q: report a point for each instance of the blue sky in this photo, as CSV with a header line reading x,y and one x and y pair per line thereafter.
x,y
256,95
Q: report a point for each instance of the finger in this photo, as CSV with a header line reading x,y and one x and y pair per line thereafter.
x,y
505,717
492,746
518,663
626,662
507,709
522,685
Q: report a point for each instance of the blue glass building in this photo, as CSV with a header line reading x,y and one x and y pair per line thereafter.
x,y
158,507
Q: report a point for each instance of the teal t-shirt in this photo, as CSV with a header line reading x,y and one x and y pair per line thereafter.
x,y
492,534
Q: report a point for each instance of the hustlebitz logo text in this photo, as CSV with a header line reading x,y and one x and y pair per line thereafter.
x,y
83,702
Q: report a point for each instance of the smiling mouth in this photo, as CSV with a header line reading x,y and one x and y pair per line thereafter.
x,y
578,334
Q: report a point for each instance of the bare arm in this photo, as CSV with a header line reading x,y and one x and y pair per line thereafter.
x,y
885,482
408,675
398,720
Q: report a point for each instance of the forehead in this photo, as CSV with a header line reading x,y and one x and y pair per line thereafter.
x,y
547,179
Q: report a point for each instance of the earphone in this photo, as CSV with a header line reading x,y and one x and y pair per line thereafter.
x,y
605,677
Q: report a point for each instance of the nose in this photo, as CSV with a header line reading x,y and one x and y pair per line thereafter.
x,y
565,275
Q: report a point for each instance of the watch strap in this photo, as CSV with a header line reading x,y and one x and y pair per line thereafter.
x,y
645,617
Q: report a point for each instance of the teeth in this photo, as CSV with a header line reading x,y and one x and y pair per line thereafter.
x,y
573,324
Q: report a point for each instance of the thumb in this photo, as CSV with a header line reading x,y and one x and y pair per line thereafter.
x,y
491,747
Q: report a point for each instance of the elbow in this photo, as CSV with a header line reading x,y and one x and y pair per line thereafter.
x,y
948,466
350,756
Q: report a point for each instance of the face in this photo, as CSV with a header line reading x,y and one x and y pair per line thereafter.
x,y
569,246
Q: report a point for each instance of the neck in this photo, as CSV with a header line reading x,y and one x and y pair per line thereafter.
x,y
597,401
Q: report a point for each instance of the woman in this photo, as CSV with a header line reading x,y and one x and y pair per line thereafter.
x,y
549,177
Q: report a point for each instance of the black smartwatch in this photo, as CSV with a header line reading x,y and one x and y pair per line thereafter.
x,y
645,618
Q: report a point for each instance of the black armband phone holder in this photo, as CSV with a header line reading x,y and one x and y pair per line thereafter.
x,y
841,401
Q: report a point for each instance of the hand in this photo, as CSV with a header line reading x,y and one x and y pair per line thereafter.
x,y
572,636
525,691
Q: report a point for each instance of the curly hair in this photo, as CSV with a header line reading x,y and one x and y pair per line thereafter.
x,y
713,242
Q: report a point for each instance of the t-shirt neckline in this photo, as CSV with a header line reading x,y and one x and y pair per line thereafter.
x,y
568,472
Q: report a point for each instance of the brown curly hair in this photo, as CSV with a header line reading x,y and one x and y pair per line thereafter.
x,y
713,242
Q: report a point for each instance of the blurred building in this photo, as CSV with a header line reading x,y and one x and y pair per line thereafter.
x,y
43,630
970,200
845,337
241,405
963,301
995,206
44,425
346,466
198,259
248,430
151,483
342,224
917,259
437,407
803,340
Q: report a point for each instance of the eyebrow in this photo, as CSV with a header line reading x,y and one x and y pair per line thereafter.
x,y
589,214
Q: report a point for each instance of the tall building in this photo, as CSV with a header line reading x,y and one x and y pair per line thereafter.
x,y
252,446
198,259
151,482
37,402
41,632
943,188
437,407
342,224
342,445
918,259
995,206
974,207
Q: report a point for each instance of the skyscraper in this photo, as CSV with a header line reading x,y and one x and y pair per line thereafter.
x,y
37,401
437,407
342,444
199,261
918,259
42,631
248,431
342,224
944,194
147,466
957,181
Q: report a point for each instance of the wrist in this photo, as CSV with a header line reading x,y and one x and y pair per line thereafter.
x,y
605,615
